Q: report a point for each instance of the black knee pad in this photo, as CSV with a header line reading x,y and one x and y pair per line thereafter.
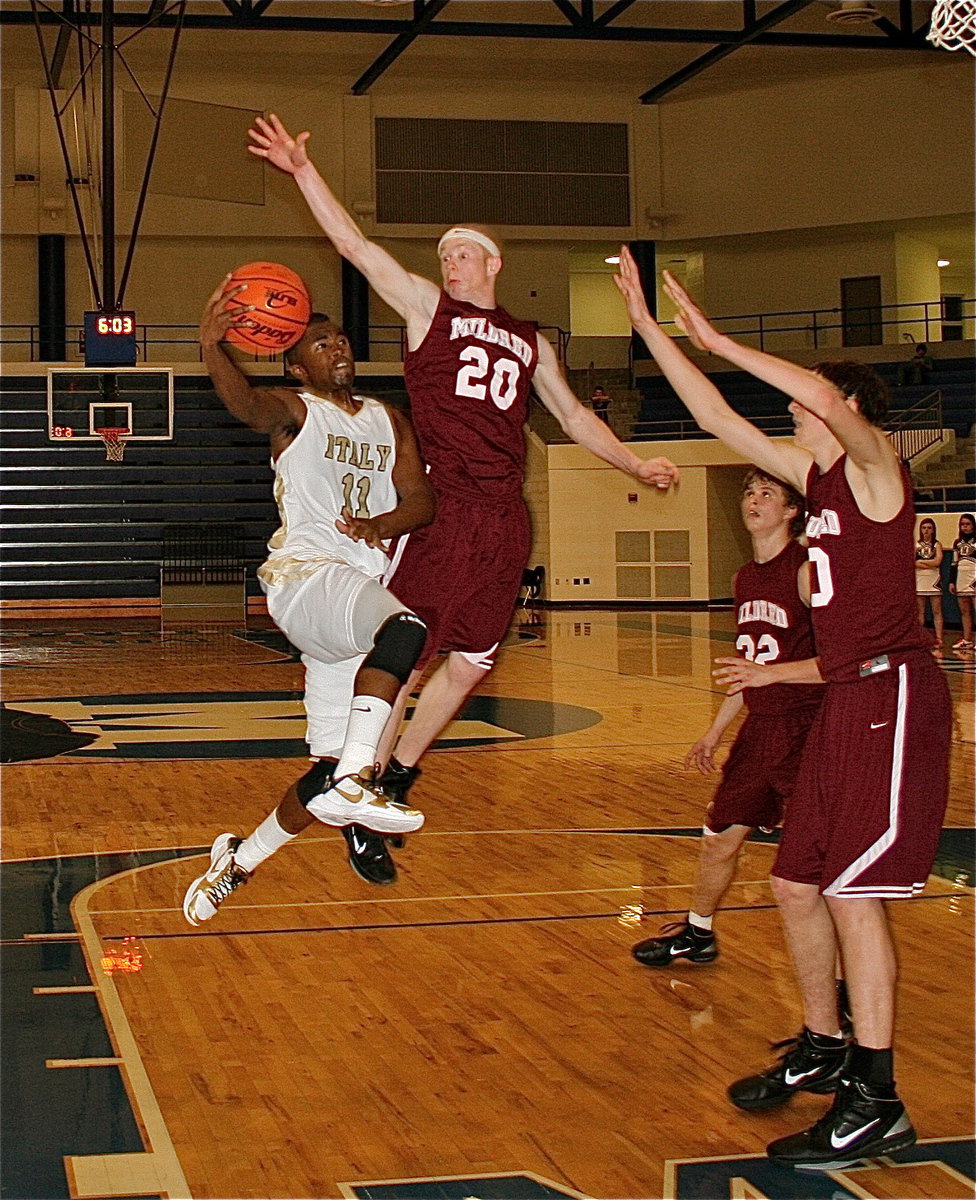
x,y
398,645
316,779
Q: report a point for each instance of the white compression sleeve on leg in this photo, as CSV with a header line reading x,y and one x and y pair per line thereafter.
x,y
263,842
367,720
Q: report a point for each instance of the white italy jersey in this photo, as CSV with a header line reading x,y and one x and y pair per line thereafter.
x,y
338,460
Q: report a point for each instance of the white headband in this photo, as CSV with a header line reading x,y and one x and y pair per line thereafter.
x,y
469,235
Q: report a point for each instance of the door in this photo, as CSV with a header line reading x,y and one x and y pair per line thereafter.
x,y
952,318
860,301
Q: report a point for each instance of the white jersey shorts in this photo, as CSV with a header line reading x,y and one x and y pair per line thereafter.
x,y
331,615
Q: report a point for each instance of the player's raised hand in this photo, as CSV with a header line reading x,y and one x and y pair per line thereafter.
x,y
661,472
629,283
271,140
220,314
689,318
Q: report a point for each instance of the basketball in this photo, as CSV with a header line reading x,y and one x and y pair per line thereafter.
x,y
280,312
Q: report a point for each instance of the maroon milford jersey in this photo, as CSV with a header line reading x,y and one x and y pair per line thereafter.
x,y
468,383
774,626
864,614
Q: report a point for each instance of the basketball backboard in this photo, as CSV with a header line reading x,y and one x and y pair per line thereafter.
x,y
80,401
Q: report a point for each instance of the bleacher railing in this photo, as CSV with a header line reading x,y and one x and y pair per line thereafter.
x,y
178,343
914,429
924,321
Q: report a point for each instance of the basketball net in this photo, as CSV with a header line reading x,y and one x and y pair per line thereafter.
x,y
953,25
113,442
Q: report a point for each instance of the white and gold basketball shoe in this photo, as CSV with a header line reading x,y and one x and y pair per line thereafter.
x,y
359,799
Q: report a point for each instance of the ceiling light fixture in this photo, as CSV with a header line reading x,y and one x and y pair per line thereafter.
x,y
944,262
854,12
612,259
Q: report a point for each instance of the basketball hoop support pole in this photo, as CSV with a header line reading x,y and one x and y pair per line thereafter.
x,y
108,154
108,295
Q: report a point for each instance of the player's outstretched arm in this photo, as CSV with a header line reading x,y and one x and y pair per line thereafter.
x,y
264,409
586,428
415,505
412,296
739,673
864,443
702,753
703,400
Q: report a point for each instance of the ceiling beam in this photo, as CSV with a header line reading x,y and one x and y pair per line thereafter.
x,y
598,33
570,13
64,40
751,32
613,12
427,13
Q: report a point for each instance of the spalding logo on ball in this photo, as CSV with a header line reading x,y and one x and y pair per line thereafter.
x,y
279,307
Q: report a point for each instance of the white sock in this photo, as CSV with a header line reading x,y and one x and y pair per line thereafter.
x,y
367,720
700,922
263,842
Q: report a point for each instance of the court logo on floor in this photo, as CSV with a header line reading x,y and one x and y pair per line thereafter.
x,y
238,725
524,1185
936,1167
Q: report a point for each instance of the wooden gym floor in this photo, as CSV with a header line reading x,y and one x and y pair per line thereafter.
x,y
478,1030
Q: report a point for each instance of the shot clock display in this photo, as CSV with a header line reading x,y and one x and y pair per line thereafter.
x,y
110,339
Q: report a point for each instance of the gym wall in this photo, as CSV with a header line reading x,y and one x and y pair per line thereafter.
x,y
826,171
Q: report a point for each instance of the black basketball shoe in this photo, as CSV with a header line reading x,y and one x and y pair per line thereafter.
x,y
368,855
863,1122
684,940
396,781
809,1063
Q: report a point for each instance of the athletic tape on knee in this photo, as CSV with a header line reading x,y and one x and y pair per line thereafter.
x,y
398,645
315,780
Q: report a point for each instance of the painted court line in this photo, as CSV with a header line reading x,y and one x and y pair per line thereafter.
x,y
630,888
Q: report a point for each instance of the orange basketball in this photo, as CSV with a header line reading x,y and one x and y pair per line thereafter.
x,y
281,307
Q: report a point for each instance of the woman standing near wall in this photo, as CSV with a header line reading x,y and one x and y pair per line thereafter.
x,y
963,579
928,560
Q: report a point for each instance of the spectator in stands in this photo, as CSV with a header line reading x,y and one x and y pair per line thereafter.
x,y
600,403
919,367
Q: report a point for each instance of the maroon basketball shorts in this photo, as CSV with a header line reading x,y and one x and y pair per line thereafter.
x,y
867,810
759,774
461,575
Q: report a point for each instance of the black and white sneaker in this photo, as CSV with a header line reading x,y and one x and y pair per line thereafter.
x,y
396,781
863,1122
368,855
683,940
811,1062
